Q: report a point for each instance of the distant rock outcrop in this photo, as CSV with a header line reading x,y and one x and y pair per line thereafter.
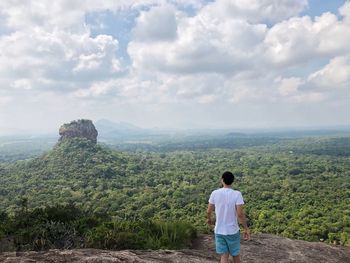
x,y
261,249
80,128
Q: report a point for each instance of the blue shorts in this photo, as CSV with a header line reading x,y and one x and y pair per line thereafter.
x,y
228,244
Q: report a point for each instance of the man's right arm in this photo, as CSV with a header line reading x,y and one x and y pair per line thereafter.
x,y
243,221
210,209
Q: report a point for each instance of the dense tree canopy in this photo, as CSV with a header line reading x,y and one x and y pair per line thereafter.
x,y
290,189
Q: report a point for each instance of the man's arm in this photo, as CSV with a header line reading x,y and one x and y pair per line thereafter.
x,y
243,221
210,210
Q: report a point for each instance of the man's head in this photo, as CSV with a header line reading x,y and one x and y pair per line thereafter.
x,y
227,178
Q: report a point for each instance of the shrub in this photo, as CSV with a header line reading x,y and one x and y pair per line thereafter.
x,y
141,235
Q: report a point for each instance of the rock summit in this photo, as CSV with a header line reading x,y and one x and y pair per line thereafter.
x,y
79,128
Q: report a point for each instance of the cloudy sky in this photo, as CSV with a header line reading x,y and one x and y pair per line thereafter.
x,y
175,63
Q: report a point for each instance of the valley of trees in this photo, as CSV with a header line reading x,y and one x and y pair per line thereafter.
x,y
296,188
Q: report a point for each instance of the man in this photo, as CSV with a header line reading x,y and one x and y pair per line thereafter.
x,y
228,205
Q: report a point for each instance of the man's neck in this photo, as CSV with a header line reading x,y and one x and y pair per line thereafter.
x,y
226,186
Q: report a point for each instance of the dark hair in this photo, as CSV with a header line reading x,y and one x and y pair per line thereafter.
x,y
228,177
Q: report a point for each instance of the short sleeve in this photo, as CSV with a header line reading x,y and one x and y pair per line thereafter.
x,y
239,200
211,198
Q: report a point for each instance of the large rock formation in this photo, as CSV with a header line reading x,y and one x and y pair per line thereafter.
x,y
261,249
79,128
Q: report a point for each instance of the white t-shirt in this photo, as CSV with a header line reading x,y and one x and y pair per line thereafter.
x,y
225,201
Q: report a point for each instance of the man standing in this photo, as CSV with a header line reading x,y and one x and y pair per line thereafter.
x,y
228,206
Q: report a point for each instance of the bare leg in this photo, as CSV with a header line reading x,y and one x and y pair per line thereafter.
x,y
237,259
224,258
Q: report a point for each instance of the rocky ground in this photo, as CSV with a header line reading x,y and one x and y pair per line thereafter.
x,y
262,248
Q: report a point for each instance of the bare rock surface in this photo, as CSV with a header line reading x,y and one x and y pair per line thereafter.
x,y
262,248
80,128
266,248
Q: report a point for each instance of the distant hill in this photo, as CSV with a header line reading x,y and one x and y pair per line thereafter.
x,y
5,131
109,129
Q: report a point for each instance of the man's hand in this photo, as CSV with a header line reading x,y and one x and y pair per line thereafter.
x,y
246,234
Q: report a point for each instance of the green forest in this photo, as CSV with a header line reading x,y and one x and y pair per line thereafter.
x,y
82,194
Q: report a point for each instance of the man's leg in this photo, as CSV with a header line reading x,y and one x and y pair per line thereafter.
x,y
221,248
237,259
234,246
224,258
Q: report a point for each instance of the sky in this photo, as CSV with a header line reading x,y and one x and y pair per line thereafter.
x,y
175,63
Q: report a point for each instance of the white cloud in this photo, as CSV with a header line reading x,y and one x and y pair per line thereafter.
x,y
126,90
59,14
256,11
56,56
288,86
97,89
301,39
157,24
69,15
194,88
193,52
158,89
248,60
100,54
23,84
295,90
309,97
202,45
334,75
344,10
212,42
197,4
